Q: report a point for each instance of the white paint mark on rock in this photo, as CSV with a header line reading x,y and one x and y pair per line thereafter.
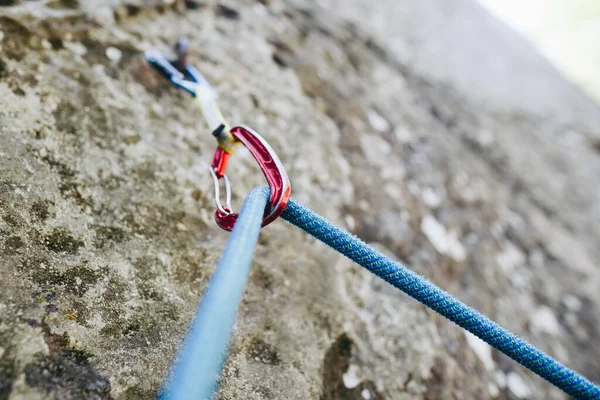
x,y
378,123
104,16
572,303
501,379
444,242
543,320
455,249
350,222
431,198
76,48
403,135
350,378
363,205
113,54
517,385
481,349
493,390
510,258
485,138
435,232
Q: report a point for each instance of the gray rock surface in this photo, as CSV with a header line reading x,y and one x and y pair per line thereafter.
x,y
427,128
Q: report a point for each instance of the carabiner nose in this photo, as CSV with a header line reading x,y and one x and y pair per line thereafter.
x,y
272,169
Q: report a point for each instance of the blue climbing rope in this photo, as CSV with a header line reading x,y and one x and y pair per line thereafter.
x,y
198,368
432,296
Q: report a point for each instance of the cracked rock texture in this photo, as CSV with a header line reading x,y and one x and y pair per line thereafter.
x,y
427,128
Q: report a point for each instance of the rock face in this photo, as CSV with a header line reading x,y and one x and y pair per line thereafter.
x,y
389,116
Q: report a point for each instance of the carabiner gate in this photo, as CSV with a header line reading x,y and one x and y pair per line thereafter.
x,y
271,167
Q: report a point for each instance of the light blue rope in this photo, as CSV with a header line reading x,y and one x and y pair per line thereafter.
x,y
435,298
198,368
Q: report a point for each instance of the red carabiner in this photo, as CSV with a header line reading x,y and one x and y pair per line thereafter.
x,y
271,167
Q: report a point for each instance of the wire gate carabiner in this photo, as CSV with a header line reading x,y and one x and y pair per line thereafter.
x,y
271,167
186,77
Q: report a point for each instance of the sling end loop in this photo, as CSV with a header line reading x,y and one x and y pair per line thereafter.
x,y
181,74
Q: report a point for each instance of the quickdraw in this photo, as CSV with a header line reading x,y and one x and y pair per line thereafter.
x,y
186,77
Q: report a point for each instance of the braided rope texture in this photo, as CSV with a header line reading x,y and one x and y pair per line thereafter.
x,y
435,298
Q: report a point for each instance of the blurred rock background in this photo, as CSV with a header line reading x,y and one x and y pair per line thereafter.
x,y
429,129
565,31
